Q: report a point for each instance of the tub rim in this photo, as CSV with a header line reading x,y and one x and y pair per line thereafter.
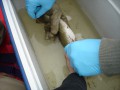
x,y
25,55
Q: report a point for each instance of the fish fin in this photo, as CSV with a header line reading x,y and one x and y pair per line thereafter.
x,y
69,18
78,36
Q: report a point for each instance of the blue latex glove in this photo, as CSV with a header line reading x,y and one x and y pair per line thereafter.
x,y
37,8
84,56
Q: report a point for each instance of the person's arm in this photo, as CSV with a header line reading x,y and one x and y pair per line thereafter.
x,y
110,56
73,82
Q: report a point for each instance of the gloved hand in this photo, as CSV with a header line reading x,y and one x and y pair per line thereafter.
x,y
37,8
84,56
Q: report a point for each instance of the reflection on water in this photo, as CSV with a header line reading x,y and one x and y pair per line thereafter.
x,y
50,54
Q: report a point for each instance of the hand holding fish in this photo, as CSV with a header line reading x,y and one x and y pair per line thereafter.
x,y
84,59
36,8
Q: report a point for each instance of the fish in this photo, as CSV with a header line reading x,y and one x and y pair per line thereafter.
x,y
56,24
66,35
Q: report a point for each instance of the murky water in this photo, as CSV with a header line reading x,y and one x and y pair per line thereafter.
x,y
50,54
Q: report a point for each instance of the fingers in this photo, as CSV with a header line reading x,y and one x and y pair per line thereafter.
x,y
71,70
31,7
31,13
36,8
40,12
45,6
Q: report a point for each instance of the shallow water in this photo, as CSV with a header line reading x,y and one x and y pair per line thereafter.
x,y
50,54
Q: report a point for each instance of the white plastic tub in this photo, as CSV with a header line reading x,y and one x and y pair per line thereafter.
x,y
42,62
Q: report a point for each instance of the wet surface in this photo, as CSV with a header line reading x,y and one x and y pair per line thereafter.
x,y
102,82
50,54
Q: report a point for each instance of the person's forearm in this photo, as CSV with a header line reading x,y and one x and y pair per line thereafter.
x,y
110,56
73,82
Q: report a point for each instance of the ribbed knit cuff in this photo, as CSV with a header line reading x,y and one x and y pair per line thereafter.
x,y
110,56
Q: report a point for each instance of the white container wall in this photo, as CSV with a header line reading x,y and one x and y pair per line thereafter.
x,y
43,61
104,16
